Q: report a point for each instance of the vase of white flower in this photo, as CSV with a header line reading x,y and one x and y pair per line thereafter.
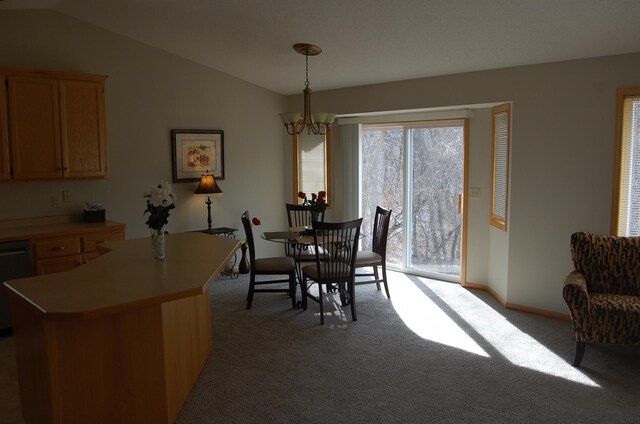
x,y
160,200
157,245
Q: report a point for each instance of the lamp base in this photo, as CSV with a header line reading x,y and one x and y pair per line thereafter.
x,y
209,202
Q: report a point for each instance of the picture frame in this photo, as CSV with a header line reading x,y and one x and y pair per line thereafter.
x,y
196,152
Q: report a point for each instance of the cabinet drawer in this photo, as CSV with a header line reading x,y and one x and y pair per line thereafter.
x,y
58,264
89,241
56,247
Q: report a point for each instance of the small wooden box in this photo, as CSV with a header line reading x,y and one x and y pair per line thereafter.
x,y
94,216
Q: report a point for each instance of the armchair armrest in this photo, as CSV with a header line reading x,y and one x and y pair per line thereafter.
x,y
576,295
574,289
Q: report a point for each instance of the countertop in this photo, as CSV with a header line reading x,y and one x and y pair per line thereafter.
x,y
29,229
127,277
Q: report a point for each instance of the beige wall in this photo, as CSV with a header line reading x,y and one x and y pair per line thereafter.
x,y
148,93
562,151
561,159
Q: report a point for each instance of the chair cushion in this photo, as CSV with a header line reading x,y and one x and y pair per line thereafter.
x,y
612,318
368,258
311,271
283,264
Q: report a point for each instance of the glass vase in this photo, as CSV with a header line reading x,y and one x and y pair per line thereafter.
x,y
157,245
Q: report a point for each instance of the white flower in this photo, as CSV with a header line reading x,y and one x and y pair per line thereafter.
x,y
161,195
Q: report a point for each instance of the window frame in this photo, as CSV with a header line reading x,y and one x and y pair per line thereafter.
x,y
497,220
621,95
297,166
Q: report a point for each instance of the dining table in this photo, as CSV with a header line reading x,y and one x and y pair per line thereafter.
x,y
300,241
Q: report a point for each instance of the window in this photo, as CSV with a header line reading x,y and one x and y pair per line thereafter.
x,y
311,164
501,135
625,216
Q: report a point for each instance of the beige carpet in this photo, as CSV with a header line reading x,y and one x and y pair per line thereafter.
x,y
434,353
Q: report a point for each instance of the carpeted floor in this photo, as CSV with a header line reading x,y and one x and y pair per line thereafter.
x,y
434,353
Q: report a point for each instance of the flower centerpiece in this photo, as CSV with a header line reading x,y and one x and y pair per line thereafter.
x,y
316,205
160,200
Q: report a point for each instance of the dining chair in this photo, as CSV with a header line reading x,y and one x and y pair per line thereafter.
x,y
268,266
334,264
377,256
299,216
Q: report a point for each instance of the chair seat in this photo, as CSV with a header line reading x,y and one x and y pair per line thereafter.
x,y
279,264
311,271
368,258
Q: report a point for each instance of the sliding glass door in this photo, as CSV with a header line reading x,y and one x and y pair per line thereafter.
x,y
417,170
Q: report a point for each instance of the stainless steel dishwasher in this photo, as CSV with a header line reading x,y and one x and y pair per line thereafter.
x,y
15,262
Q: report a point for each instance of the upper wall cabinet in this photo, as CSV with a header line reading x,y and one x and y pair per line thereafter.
x,y
5,172
56,125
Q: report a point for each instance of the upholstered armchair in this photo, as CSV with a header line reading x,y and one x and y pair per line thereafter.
x,y
603,292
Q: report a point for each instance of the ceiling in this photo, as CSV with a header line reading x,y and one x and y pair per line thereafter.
x,y
363,41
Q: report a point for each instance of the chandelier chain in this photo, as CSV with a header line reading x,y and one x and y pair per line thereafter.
x,y
306,84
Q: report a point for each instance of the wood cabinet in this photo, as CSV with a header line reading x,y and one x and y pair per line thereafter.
x,y
58,254
61,243
91,241
5,170
57,127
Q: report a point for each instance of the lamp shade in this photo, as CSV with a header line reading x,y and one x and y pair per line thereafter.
x,y
208,185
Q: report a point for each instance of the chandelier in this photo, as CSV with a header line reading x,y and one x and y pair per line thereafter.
x,y
317,122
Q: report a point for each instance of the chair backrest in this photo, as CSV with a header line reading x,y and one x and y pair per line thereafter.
x,y
381,231
610,264
336,247
248,233
300,216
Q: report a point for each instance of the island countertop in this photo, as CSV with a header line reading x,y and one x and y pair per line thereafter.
x,y
127,277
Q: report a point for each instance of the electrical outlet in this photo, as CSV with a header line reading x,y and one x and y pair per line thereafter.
x,y
474,192
66,196
55,201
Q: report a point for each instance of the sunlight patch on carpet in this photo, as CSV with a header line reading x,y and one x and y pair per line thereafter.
x,y
427,320
516,346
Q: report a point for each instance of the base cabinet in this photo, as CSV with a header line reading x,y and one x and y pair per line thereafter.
x,y
137,366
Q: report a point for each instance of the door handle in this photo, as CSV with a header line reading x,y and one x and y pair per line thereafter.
x,y
460,203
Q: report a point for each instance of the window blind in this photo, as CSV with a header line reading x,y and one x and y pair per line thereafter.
x,y
629,201
500,165
312,163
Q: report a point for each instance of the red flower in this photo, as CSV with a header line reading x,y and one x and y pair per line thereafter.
x,y
314,196
255,221
320,200
322,194
302,194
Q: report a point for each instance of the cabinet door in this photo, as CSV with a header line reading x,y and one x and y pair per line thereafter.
x,y
34,126
82,121
5,170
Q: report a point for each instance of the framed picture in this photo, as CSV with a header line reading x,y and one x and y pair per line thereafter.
x,y
196,152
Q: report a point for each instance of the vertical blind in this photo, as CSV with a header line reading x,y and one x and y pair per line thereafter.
x,y
500,168
629,201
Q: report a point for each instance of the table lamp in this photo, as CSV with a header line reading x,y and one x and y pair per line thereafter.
x,y
208,186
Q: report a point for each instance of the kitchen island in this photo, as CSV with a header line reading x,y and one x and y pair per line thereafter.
x,y
120,339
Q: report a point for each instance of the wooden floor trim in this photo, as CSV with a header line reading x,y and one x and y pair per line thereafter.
x,y
515,306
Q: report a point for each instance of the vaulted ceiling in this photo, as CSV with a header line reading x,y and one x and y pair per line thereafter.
x,y
363,41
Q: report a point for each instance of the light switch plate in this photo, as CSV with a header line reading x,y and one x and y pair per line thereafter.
x,y
474,192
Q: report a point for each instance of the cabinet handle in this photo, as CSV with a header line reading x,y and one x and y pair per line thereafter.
x,y
57,248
